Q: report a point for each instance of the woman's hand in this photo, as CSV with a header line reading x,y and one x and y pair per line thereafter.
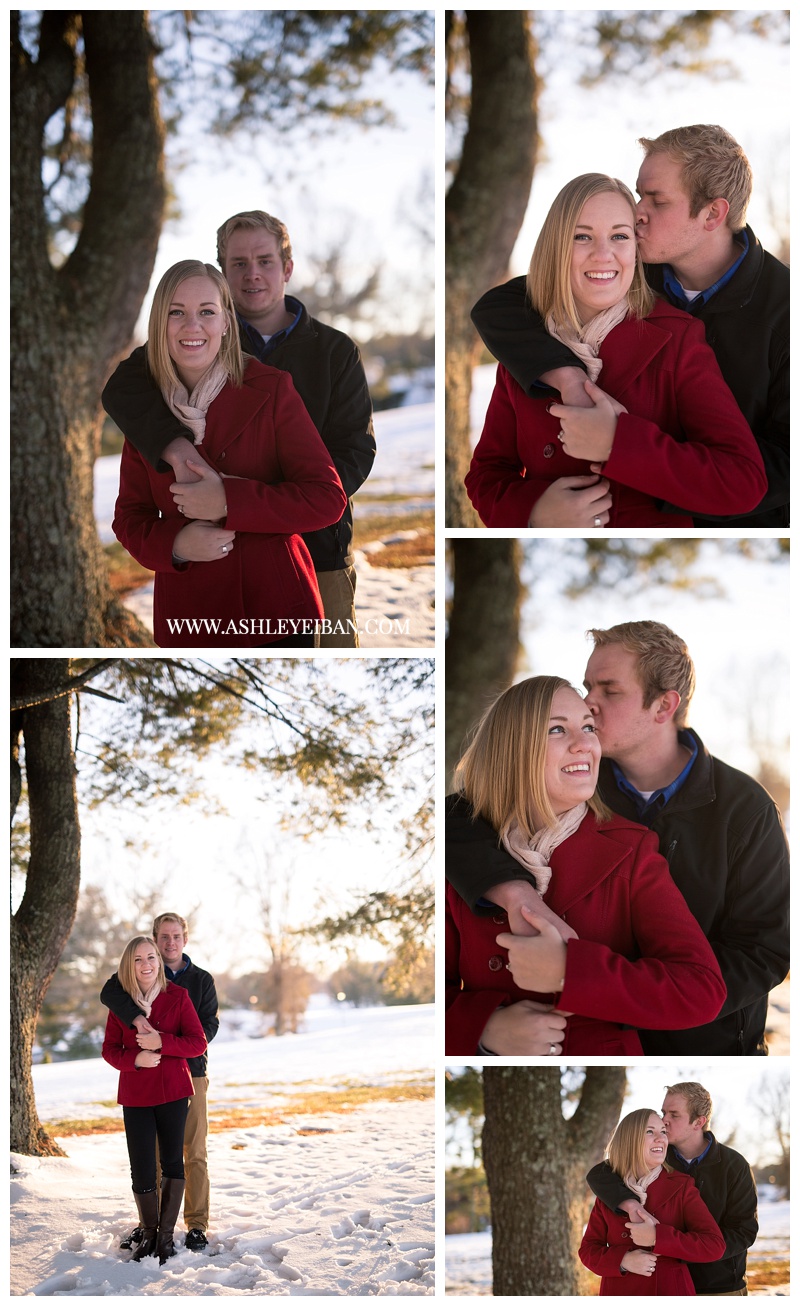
x,y
537,963
581,501
524,1029
588,433
204,499
147,1060
203,541
152,1042
643,1228
639,1262
513,895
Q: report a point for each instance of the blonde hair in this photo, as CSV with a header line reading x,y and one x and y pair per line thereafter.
x,y
698,1099
549,286
502,772
625,1151
170,916
159,359
664,661
254,220
714,166
126,971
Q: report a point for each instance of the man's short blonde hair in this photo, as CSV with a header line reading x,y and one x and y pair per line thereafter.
x,y
254,220
714,167
170,916
664,661
697,1099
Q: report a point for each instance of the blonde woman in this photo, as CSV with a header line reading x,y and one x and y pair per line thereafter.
x,y
231,568
613,945
154,1089
662,425
678,1226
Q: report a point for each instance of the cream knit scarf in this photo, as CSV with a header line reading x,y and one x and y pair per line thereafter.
x,y
640,1186
191,408
586,342
146,1000
534,854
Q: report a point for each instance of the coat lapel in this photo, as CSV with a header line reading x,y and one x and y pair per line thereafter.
x,y
628,351
232,411
580,864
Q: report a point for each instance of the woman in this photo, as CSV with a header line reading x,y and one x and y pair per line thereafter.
x,y
672,433
616,947
231,568
154,1089
681,1227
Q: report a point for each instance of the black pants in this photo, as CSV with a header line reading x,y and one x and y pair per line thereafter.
x,y
142,1125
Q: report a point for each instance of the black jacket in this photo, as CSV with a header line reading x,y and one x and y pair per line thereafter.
x,y
328,375
723,838
747,326
201,989
725,1182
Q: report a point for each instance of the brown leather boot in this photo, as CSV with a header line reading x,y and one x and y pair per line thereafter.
x,y
171,1198
147,1206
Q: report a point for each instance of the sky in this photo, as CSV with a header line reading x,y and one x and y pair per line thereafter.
x,y
597,130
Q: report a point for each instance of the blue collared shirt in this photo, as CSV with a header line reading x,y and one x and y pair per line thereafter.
x,y
676,294
170,974
647,808
694,1160
263,348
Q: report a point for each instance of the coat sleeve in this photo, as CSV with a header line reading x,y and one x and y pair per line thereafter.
x,y
138,525
607,1185
739,1224
497,485
716,468
208,1009
114,1050
188,1040
115,997
702,1240
594,1250
134,401
348,432
309,495
751,936
474,863
466,1013
517,337
674,984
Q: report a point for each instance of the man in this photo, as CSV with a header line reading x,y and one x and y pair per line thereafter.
x,y
694,187
171,936
718,829
255,254
723,1179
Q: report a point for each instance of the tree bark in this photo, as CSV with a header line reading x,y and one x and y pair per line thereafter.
x,y
484,210
71,324
535,1164
482,644
42,923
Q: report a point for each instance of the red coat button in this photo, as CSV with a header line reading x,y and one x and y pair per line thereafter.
x,y
496,963
549,450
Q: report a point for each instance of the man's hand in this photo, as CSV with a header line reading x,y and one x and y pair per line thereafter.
x,y
589,432
143,1024
639,1262
203,541
643,1229
525,1029
148,1060
152,1042
178,453
513,895
569,383
582,501
537,963
204,500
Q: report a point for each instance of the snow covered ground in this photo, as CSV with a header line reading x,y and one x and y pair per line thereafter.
x,y
394,605
320,1205
468,1256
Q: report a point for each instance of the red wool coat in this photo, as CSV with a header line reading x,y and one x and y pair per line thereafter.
x,y
683,440
174,1016
284,482
686,1232
640,960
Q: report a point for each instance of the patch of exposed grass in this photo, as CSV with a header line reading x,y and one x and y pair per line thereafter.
x,y
767,1273
125,573
376,525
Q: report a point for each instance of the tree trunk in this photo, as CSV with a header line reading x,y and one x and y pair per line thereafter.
x,y
43,921
484,210
535,1164
70,325
483,638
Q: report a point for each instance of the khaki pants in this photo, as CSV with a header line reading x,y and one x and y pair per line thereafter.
x,y
195,1159
337,590
740,1292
